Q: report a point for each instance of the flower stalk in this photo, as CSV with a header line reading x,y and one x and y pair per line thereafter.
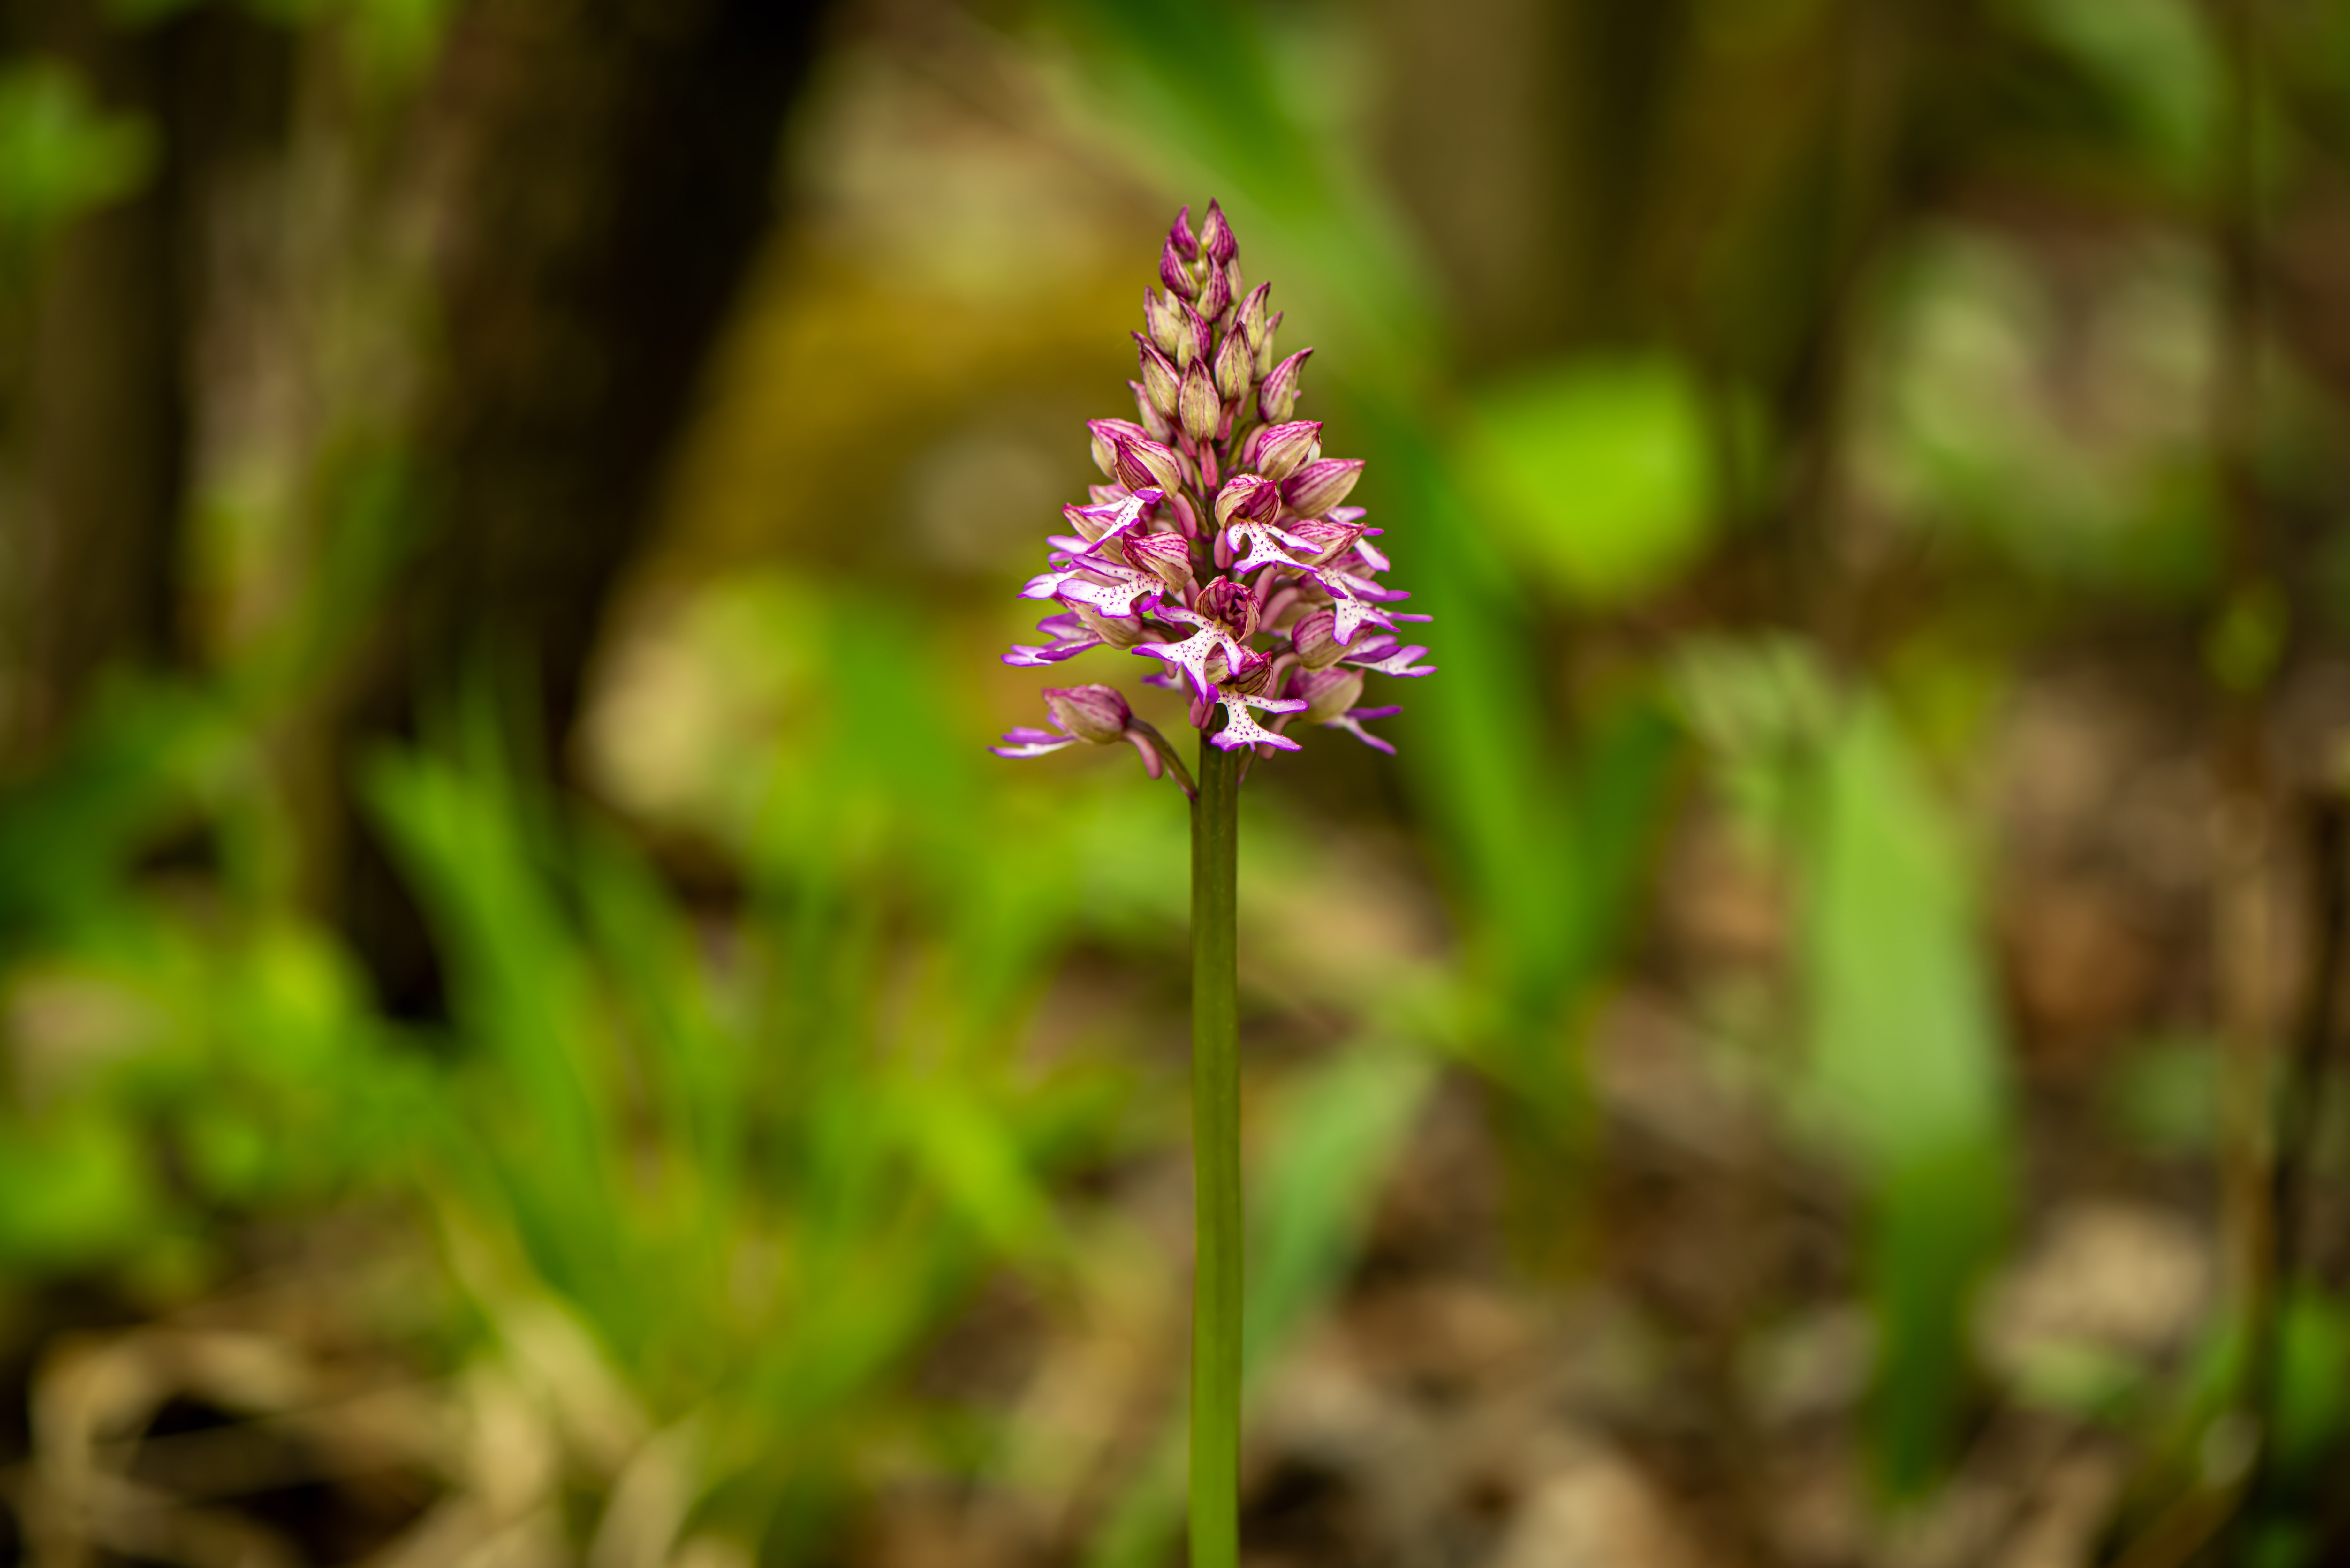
x,y
1222,551
1216,1159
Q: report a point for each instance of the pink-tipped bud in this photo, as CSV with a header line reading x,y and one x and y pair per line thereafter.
x,y
1175,274
1216,236
1215,294
1166,556
1252,317
1248,499
1138,462
1179,236
1105,434
1164,318
1233,364
1230,605
1264,346
1198,406
1328,693
1096,714
1320,486
1314,639
1278,399
1160,378
1278,451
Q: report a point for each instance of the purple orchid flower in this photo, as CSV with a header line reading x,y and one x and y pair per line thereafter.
x,y
1221,550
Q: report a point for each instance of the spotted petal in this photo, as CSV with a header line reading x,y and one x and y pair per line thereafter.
x,y
1241,728
1385,658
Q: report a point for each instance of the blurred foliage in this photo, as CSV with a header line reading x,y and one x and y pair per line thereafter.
x,y
60,152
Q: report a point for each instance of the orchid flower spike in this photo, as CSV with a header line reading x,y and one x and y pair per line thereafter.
x,y
1219,549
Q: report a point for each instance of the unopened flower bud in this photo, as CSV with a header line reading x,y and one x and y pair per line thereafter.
x,y
1233,364
1264,346
1215,294
1249,499
1216,236
1175,274
1096,714
1199,407
1154,423
1327,693
1167,556
1179,235
1278,451
1160,379
1231,604
1164,316
1105,434
1195,341
1140,463
1314,639
1250,674
1278,399
1326,541
1320,486
1251,317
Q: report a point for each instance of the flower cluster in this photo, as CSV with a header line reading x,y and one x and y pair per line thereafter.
x,y
1220,548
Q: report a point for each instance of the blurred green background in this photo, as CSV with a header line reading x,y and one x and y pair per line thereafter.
x,y
531,1031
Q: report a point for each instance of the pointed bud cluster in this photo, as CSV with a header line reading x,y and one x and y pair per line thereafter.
x,y
1221,548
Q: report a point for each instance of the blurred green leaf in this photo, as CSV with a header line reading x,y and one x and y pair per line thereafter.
x,y
1907,1071
61,153
76,1189
1600,473
2155,60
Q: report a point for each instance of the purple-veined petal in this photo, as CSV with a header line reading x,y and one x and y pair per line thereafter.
x,y
1096,714
1215,293
1231,605
1251,321
1232,367
1277,451
1165,319
1326,693
1278,399
1159,377
1199,406
1175,274
1167,556
1321,484
1216,236
1248,498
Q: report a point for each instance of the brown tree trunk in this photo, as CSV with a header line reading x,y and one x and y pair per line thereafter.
x,y
614,173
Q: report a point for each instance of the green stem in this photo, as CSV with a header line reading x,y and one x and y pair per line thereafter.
x,y
1216,1161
